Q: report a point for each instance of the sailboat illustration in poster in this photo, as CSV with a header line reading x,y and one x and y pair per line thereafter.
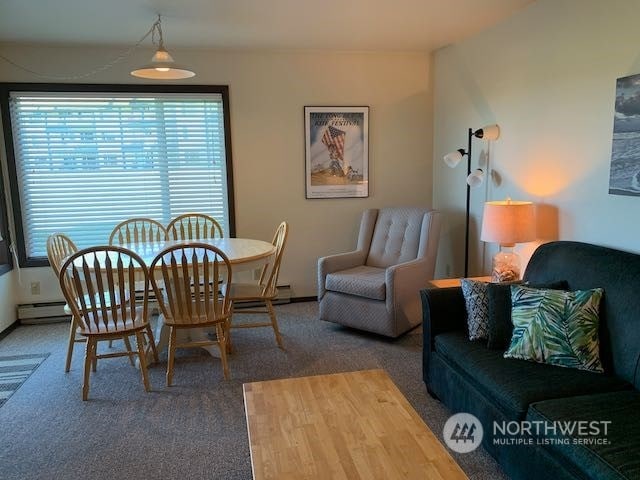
x,y
624,177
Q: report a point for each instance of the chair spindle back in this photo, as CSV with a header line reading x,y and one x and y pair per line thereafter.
x,y
193,226
93,277
59,247
185,279
270,272
137,230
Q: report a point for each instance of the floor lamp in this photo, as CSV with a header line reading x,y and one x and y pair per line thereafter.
x,y
475,179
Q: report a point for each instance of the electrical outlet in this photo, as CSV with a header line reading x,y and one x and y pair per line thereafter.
x,y
35,288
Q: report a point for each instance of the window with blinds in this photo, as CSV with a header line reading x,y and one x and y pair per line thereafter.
x,y
86,161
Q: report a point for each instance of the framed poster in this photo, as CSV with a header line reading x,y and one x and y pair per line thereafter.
x,y
336,152
624,173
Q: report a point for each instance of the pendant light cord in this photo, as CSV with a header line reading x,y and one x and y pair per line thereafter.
x,y
156,27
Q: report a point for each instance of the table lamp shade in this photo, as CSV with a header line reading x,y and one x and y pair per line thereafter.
x,y
507,222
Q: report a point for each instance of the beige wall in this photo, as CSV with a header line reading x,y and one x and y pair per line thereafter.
x,y
267,94
547,76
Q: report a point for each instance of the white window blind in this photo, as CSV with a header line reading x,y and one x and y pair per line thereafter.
x,y
85,162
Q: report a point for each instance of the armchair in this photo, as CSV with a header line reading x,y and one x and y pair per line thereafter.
x,y
377,286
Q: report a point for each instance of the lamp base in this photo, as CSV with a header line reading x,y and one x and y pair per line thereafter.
x,y
506,266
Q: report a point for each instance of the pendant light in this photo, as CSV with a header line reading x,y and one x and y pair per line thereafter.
x,y
162,66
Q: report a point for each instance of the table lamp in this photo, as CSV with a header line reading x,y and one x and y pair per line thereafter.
x,y
507,222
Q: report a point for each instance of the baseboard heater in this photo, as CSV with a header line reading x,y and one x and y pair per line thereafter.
x,y
53,312
44,312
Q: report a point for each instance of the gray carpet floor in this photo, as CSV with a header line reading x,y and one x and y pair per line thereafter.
x,y
197,428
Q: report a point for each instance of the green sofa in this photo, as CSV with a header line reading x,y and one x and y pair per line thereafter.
x,y
469,377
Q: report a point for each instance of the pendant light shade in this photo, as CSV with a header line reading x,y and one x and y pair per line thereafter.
x,y
162,66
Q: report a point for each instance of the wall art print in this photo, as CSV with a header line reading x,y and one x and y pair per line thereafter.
x,y
336,151
624,176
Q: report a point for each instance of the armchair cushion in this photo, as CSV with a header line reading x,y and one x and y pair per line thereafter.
x,y
396,236
363,281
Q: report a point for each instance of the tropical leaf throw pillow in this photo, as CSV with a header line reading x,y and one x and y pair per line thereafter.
x,y
556,327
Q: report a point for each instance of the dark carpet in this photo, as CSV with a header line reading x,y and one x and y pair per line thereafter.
x,y
195,429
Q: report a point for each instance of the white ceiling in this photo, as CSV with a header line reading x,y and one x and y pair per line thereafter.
x,y
412,25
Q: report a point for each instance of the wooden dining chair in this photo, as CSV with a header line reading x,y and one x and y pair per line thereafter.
x,y
91,277
59,247
138,230
263,292
185,279
194,226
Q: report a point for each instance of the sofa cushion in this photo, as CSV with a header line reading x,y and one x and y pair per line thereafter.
x,y
515,384
363,281
556,327
620,458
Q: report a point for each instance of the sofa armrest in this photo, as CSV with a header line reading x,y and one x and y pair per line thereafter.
x,y
335,263
443,310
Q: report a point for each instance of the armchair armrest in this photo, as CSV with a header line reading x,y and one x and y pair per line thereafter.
x,y
335,263
443,310
404,282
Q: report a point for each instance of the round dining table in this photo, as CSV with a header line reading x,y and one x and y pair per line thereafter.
x,y
243,253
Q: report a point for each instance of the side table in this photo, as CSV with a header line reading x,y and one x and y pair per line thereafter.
x,y
453,282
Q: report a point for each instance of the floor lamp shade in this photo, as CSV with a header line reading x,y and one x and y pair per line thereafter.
x,y
507,222
490,132
453,158
476,178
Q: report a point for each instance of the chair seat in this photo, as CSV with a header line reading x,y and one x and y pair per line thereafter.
x,y
246,291
362,281
110,327
194,321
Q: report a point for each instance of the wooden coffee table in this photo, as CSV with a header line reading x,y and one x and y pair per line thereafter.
x,y
354,425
